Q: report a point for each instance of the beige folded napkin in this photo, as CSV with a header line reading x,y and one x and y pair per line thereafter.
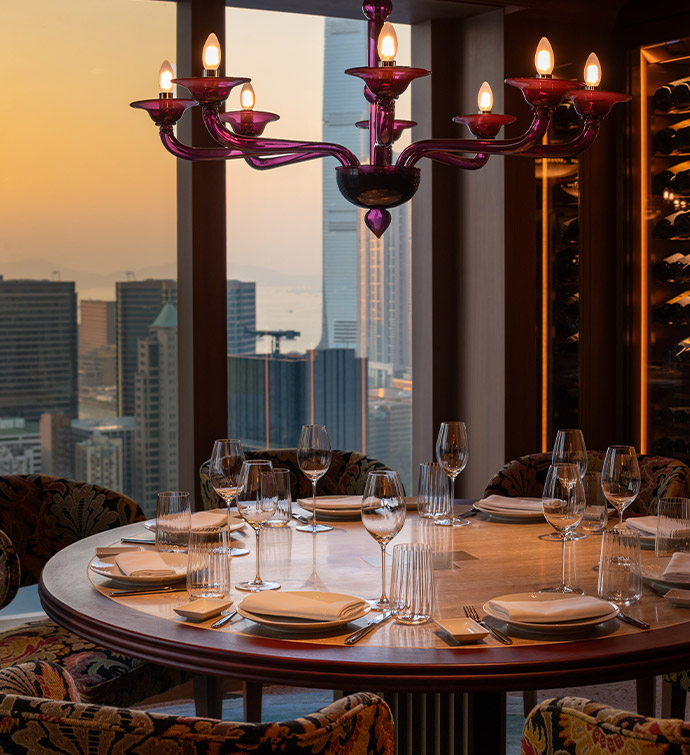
x,y
334,502
290,605
643,524
214,518
550,611
505,503
147,564
678,568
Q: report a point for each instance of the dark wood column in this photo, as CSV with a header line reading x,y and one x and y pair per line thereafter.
x,y
201,263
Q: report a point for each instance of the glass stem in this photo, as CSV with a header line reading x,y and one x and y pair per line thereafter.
x,y
620,519
313,505
257,579
452,498
384,597
563,561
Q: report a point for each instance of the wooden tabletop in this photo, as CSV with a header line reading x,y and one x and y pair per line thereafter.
x,y
472,565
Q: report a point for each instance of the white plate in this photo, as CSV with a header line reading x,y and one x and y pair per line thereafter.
x,y
108,568
510,515
678,597
327,506
653,568
236,523
543,627
305,625
463,630
202,608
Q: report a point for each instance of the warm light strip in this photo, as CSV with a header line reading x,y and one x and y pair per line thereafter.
x,y
644,257
544,304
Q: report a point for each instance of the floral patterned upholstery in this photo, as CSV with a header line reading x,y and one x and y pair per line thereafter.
x,y
347,474
574,725
41,515
360,724
661,478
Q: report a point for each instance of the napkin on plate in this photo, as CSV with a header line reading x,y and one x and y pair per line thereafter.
x,y
645,525
550,611
506,503
289,605
334,502
215,518
678,568
147,564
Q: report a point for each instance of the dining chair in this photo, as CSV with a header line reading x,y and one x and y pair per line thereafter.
x,y
42,713
565,725
40,515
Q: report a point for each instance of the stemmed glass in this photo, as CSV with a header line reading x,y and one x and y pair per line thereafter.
x,y
569,448
224,473
383,515
257,500
314,458
564,505
452,452
620,478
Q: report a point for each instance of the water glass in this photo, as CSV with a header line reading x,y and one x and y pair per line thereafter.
x,y
433,499
673,526
412,583
208,563
596,506
283,512
620,567
173,521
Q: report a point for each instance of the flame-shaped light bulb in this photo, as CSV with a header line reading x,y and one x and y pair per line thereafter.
x,y
211,54
387,45
592,71
247,98
485,98
543,58
165,77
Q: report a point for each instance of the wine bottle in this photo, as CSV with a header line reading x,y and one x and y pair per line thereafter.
x,y
681,351
672,138
663,98
680,269
675,311
681,96
677,224
669,178
571,231
664,270
674,444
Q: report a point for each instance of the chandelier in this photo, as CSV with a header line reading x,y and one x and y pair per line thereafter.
x,y
382,184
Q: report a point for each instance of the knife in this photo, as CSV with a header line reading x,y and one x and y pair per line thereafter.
x,y
223,620
157,591
635,622
301,519
364,631
140,540
496,634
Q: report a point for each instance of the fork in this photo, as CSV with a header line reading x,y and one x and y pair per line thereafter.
x,y
471,613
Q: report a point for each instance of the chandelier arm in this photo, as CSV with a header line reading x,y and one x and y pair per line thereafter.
x,y
197,154
467,163
276,161
540,123
566,149
271,146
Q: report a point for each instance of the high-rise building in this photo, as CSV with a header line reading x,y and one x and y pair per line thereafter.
x,y
241,317
155,410
119,430
138,305
38,348
20,446
99,461
97,324
56,445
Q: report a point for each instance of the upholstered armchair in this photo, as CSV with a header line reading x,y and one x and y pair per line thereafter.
x,y
347,473
40,515
41,712
574,725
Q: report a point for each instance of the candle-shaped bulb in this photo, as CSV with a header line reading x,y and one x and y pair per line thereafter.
x,y
247,97
165,77
485,98
543,58
211,55
592,71
387,43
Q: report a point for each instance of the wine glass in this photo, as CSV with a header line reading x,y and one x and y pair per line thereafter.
x,y
564,505
224,474
620,478
314,458
452,452
383,515
569,448
257,500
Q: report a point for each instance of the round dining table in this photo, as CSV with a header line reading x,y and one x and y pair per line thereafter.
x,y
472,565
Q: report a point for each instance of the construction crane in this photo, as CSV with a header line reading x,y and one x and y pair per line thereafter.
x,y
276,335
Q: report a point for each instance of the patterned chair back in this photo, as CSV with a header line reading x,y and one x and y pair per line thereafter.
x,y
661,478
347,474
42,514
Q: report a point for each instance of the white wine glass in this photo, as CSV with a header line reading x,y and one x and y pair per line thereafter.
x,y
383,516
452,453
564,505
224,474
314,457
569,448
620,478
257,500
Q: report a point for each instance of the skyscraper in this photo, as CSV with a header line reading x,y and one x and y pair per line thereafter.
x,y
97,324
241,317
119,430
100,461
138,305
56,445
38,348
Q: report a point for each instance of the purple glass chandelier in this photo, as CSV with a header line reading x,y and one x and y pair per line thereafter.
x,y
382,184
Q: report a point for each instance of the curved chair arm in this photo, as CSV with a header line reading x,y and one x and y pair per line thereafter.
x,y
574,724
10,570
39,679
